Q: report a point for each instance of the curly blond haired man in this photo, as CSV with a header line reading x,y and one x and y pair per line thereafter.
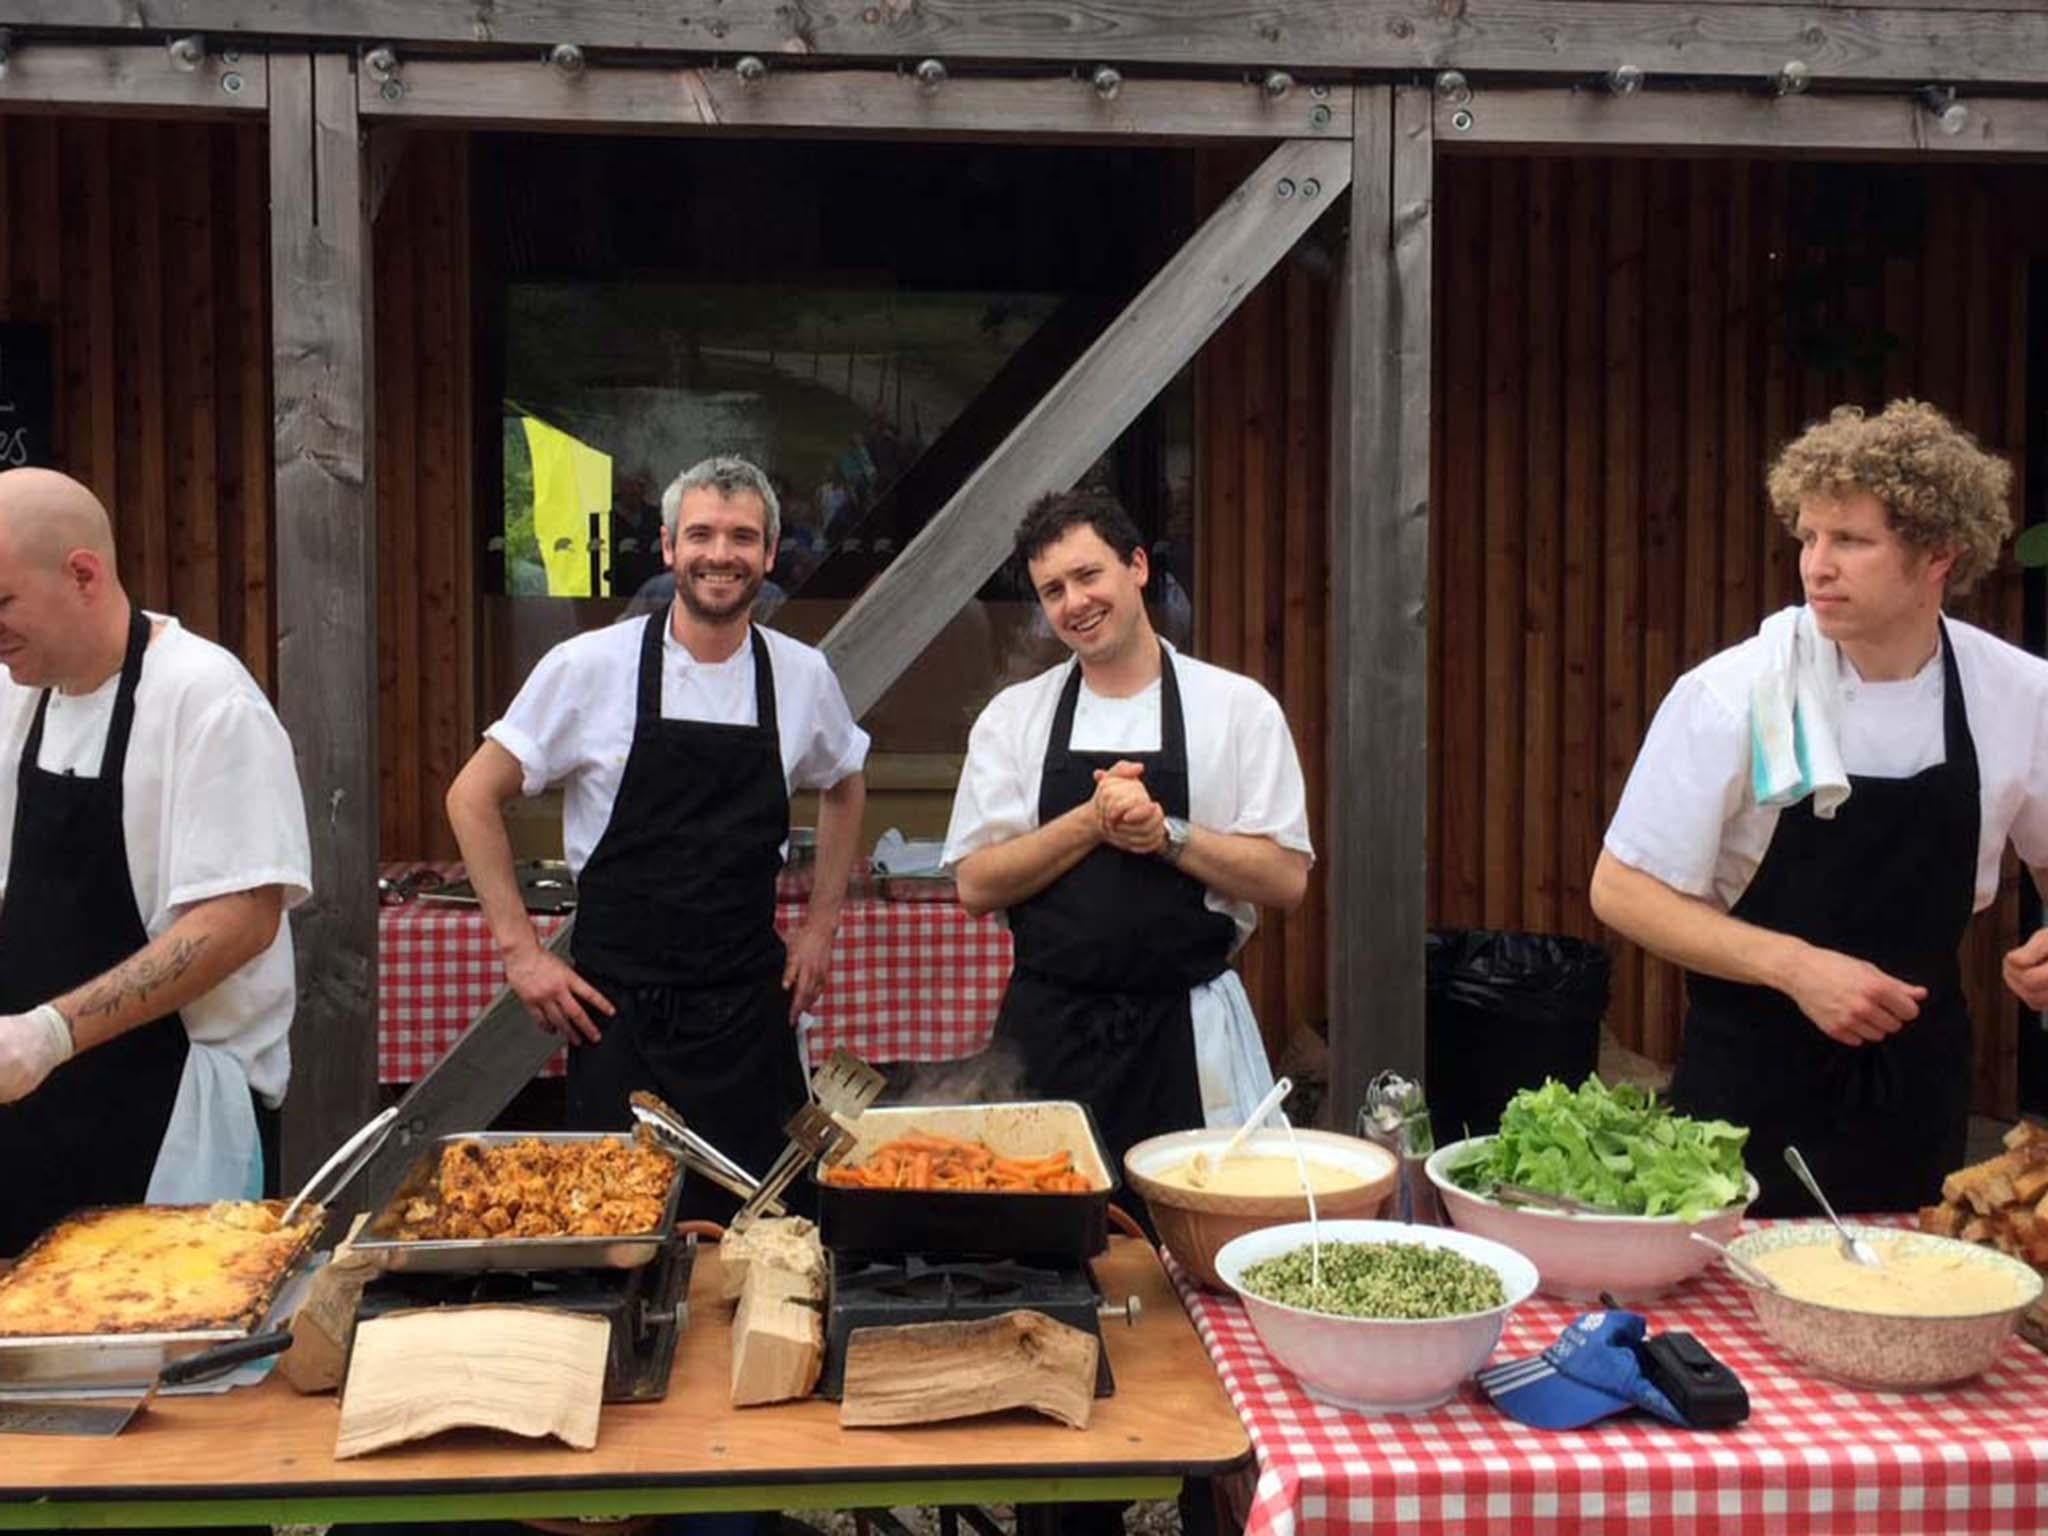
x,y
1816,813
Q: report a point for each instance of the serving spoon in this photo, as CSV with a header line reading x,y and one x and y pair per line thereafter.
x,y
1854,1249
1200,1168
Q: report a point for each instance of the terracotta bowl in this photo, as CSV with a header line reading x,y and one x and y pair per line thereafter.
x,y
1195,1223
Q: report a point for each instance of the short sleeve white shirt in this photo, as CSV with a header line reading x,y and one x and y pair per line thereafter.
x,y
210,806
1244,775
1688,817
572,722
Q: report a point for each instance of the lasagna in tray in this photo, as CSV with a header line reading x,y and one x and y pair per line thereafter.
x,y
152,1269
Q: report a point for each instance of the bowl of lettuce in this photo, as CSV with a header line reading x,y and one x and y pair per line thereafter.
x,y
1658,1177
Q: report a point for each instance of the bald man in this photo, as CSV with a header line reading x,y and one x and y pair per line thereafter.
x,y
152,836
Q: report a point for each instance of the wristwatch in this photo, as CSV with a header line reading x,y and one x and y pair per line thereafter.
x,y
1177,835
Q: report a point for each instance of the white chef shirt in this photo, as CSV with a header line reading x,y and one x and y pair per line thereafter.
x,y
1243,773
1687,815
211,805
572,722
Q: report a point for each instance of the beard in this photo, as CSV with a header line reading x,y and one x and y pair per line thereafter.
x,y
735,607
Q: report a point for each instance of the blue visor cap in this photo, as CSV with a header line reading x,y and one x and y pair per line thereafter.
x,y
1589,1374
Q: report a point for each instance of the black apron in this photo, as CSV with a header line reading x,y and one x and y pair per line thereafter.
x,y
675,925
90,1134
1097,1006
1891,880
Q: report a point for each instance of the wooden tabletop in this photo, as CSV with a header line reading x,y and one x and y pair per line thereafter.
x,y
267,1453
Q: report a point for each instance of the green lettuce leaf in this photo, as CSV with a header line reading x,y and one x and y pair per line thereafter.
x,y
1610,1146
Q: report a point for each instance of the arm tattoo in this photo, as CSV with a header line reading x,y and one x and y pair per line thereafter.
x,y
135,979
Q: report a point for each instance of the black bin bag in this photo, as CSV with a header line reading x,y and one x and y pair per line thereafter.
x,y
1503,1012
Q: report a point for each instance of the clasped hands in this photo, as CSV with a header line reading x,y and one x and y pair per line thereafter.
x,y
1130,818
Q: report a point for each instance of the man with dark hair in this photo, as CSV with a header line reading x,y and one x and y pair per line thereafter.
x,y
1816,813
1129,810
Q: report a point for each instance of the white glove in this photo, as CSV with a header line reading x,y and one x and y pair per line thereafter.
x,y
32,1046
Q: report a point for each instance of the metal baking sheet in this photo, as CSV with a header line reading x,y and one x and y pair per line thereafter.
x,y
63,1361
464,1255
545,886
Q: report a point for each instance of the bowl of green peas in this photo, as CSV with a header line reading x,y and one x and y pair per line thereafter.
x,y
1376,1316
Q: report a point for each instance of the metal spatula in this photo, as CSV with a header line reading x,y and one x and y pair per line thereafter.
x,y
53,1416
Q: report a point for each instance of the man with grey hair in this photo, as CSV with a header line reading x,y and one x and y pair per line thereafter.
x,y
677,740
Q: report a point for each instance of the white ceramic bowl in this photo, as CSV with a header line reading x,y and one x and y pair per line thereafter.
x,y
1630,1258
1374,1365
1889,1353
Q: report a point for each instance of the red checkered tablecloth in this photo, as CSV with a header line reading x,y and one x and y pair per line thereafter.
x,y
1812,1456
911,980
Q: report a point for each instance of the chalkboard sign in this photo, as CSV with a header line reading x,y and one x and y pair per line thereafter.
x,y
25,395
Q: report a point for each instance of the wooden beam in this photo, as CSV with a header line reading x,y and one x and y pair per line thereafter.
x,y
503,93
1837,41
1889,127
128,80
326,584
1374,843
1081,416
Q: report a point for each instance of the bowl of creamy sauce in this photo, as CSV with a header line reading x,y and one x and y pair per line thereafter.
x,y
1261,1185
1935,1312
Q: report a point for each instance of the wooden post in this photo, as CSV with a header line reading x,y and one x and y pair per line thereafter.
x,y
1373,838
326,584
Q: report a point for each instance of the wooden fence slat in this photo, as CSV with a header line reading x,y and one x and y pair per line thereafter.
x,y
97,278
442,469
1502,566
1303,563
1543,551
1740,394
400,360
252,324
1461,885
1622,501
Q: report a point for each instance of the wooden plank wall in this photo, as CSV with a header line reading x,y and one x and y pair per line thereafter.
x,y
426,583
145,247
1261,569
1621,346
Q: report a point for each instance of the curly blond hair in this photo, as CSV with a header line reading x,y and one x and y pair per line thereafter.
x,y
1940,491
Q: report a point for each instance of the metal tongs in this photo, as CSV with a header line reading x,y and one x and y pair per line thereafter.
x,y
841,1091
1543,1200
349,1158
697,1154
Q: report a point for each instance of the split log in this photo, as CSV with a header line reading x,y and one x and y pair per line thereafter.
x,y
921,1373
778,1337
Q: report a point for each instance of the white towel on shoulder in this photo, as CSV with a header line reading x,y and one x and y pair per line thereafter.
x,y
1795,716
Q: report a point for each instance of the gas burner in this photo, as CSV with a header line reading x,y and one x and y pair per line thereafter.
x,y
871,1292
647,1308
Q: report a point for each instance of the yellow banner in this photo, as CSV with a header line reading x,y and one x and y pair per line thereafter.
x,y
572,484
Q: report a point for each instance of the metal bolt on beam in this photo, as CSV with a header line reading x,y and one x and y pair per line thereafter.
x,y
1453,89
751,70
931,74
1277,83
1285,189
1793,79
187,52
1939,102
382,63
1625,79
1107,82
566,57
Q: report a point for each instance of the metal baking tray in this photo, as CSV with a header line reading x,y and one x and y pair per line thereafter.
x,y
68,1361
999,1223
462,1255
545,886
